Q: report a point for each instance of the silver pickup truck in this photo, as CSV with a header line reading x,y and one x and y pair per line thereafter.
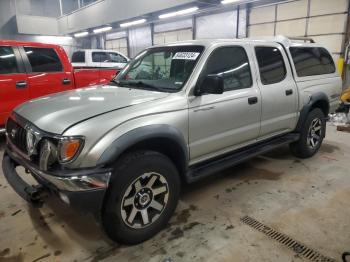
x,y
176,113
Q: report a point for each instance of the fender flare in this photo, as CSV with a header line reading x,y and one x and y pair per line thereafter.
x,y
314,98
131,138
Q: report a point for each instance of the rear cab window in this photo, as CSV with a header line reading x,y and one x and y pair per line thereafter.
x,y
312,61
43,59
8,62
78,57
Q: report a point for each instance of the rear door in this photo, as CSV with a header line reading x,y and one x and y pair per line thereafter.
x,y
279,92
46,72
13,81
117,60
99,59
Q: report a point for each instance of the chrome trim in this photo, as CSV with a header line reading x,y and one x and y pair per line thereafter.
x,y
40,134
15,149
95,180
37,136
76,183
48,151
2,130
204,109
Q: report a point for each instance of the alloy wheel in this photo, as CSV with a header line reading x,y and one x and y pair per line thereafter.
x,y
315,133
144,200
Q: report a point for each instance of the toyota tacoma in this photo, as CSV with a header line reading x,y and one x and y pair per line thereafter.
x,y
175,114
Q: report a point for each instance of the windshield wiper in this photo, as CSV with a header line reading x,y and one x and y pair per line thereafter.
x,y
120,83
138,84
143,84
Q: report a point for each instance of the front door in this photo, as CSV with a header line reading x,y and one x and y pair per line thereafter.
x,y
46,73
279,92
224,122
13,82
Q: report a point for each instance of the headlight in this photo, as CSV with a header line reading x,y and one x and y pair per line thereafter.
x,y
69,148
30,142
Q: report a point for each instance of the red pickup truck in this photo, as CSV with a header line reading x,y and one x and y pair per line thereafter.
x,y
29,70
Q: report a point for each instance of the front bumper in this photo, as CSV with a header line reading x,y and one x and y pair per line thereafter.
x,y
83,189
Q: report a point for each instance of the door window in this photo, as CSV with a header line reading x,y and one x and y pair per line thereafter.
x,y
8,63
311,61
100,57
271,65
233,65
116,58
43,59
109,57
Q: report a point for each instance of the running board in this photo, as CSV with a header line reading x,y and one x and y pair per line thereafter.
x,y
201,170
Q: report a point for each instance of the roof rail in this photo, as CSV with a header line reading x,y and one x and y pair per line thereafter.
x,y
302,38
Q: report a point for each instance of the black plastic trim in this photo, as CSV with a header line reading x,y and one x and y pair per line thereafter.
x,y
59,172
314,98
19,60
142,134
25,59
204,169
90,201
24,190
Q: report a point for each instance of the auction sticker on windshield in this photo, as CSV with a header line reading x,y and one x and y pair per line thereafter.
x,y
186,55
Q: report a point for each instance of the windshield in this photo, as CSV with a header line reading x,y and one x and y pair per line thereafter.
x,y
164,69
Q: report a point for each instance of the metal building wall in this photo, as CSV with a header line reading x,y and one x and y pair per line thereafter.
x,y
324,21
117,41
172,31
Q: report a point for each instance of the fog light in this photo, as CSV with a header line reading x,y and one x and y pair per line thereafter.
x,y
64,198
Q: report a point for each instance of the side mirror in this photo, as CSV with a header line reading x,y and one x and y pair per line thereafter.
x,y
211,84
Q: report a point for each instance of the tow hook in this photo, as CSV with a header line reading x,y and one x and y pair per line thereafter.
x,y
36,194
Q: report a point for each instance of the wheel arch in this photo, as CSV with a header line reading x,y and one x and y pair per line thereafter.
x,y
318,100
164,139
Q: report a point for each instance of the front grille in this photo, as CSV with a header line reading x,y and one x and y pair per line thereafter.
x,y
17,135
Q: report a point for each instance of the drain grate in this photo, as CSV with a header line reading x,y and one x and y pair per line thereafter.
x,y
296,246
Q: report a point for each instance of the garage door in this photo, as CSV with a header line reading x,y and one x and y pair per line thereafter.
x,y
324,21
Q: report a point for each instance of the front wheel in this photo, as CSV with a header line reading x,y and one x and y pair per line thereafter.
x,y
311,135
142,197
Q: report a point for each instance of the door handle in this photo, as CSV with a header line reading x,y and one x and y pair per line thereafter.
x,y
289,92
252,100
66,81
21,84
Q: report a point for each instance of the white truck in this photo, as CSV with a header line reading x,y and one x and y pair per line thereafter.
x,y
98,58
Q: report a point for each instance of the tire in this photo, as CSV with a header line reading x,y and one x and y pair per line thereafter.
x,y
131,189
304,148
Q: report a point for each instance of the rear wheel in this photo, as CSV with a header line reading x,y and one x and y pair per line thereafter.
x,y
311,135
143,195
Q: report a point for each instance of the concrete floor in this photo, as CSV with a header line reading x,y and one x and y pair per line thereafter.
x,y
308,200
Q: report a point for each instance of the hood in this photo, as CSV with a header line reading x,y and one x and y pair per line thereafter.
x,y
57,112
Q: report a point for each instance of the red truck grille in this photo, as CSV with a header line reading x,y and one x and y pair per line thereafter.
x,y
17,135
